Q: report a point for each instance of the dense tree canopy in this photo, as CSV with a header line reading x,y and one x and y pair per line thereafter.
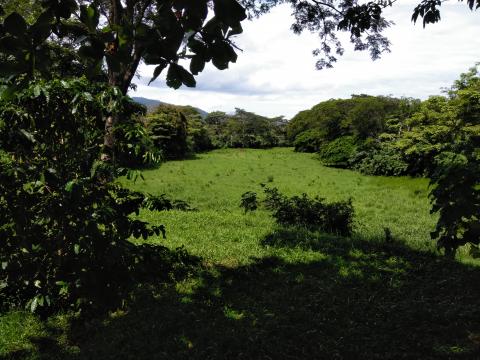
x,y
167,127
179,131
245,129
111,38
438,138
362,115
64,229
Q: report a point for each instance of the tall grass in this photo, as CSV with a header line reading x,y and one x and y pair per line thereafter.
x,y
221,232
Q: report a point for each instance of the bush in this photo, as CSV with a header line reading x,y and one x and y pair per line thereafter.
x,y
384,161
64,227
249,201
455,196
336,217
134,146
198,139
168,129
309,141
338,152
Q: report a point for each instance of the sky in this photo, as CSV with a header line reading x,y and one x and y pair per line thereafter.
x,y
275,73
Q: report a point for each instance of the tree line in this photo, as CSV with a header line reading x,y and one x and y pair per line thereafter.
x,y
181,131
438,138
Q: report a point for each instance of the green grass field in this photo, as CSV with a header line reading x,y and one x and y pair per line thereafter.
x,y
266,292
221,232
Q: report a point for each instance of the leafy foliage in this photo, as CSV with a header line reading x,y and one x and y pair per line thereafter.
x,y
363,22
309,140
335,217
338,152
198,137
245,130
179,131
65,228
167,127
437,138
29,9
65,224
362,116
455,176
456,196
383,160
134,147
120,35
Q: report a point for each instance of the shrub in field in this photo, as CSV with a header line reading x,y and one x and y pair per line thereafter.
x,y
249,201
384,161
64,226
336,217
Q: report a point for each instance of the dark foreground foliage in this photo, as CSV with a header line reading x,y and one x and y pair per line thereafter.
x,y
359,299
64,226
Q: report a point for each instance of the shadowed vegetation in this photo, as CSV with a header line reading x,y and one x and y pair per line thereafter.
x,y
355,299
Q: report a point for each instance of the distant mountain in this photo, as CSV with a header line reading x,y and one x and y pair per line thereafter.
x,y
151,104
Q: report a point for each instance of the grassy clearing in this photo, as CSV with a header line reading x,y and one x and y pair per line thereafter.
x,y
266,292
220,231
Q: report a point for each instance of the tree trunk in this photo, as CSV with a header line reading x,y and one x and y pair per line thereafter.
x,y
109,140
120,79
108,151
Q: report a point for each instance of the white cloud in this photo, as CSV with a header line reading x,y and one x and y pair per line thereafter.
x,y
275,74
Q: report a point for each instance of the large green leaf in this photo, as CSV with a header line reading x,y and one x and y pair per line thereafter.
x,y
195,14
65,8
177,75
223,53
229,12
174,79
15,24
197,64
158,70
9,44
197,46
187,78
